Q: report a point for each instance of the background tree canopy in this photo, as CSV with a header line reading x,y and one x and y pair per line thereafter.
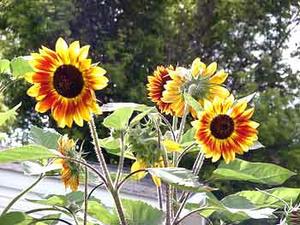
x,y
130,38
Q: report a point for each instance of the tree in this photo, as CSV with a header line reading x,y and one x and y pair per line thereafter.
x,y
130,38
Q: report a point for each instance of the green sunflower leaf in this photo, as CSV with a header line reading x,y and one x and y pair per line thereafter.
x,y
119,119
100,212
140,116
141,213
73,200
15,218
52,200
4,66
179,177
25,153
112,146
273,198
4,116
231,209
263,173
33,168
45,137
20,66
109,143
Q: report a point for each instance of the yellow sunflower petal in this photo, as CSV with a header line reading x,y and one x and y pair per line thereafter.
x,y
216,157
227,104
61,47
217,90
28,77
77,118
219,77
33,91
171,146
84,51
210,70
196,67
238,108
208,106
138,165
97,71
156,181
253,124
74,51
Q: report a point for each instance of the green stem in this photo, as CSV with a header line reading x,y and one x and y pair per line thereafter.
x,y
45,209
72,214
200,163
174,123
183,153
67,212
159,197
21,194
183,199
182,122
99,154
50,219
85,196
121,160
114,192
127,177
166,164
94,189
169,126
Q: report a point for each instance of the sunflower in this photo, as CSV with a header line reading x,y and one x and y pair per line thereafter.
x,y
155,87
70,170
224,128
64,81
205,82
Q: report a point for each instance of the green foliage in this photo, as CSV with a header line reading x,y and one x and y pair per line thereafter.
x,y
112,146
19,67
274,198
25,153
15,218
119,119
4,66
4,116
180,178
232,209
131,38
33,168
45,137
73,201
263,173
100,212
141,213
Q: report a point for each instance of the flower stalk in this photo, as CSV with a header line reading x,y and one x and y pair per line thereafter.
x,y
114,191
121,160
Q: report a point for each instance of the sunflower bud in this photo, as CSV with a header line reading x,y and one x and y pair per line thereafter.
x,y
70,171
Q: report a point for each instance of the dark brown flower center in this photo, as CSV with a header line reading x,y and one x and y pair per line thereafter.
x,y
222,126
68,81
